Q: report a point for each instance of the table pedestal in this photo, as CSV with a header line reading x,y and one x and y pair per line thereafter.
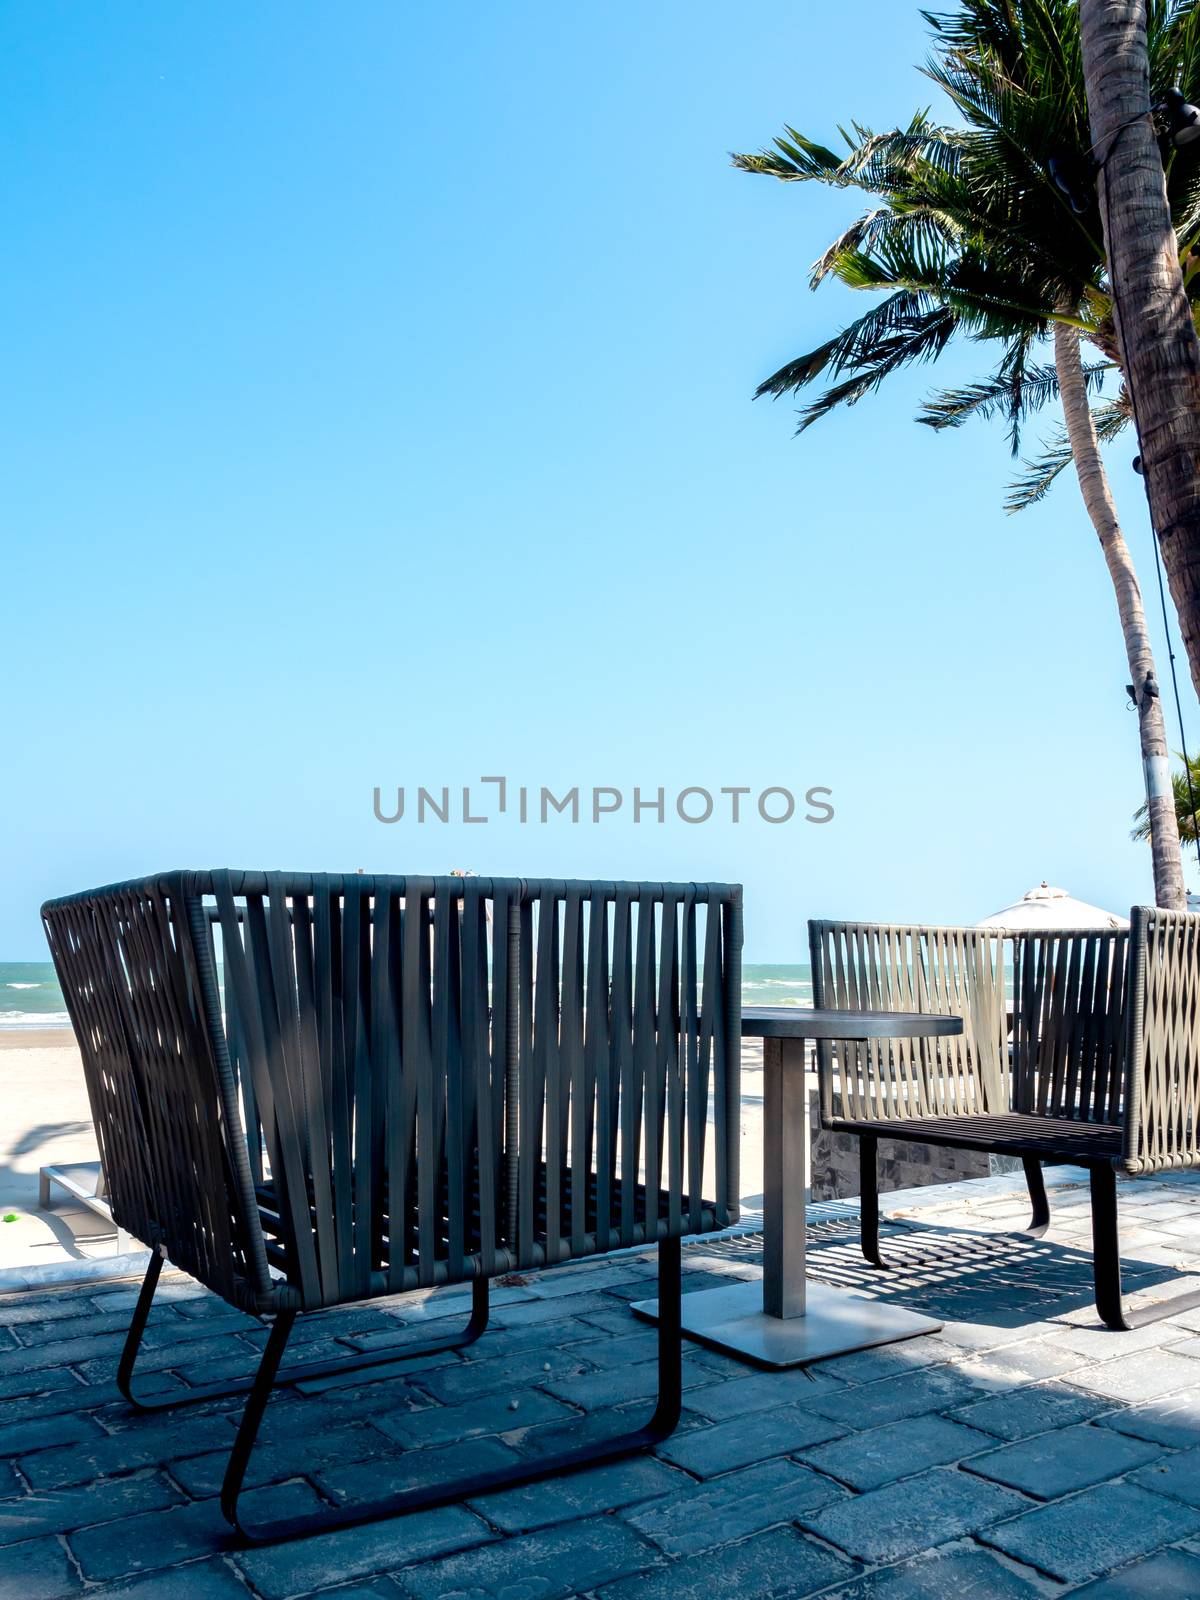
x,y
785,1321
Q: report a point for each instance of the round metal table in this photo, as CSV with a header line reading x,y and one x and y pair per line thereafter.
x,y
785,1321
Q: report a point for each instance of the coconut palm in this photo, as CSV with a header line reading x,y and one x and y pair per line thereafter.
x,y
1185,786
989,230
1157,330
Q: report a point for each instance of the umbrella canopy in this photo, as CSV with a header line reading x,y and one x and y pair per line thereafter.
x,y
1047,907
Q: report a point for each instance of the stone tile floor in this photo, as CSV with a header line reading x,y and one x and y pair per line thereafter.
x,y
1023,1451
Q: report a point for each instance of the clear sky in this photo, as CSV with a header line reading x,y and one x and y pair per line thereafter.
x,y
376,411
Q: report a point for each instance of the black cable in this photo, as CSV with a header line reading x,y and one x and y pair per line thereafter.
x,y
1102,193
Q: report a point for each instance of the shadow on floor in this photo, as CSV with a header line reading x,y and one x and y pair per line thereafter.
x,y
954,1274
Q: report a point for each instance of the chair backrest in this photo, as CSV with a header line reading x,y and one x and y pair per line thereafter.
x,y
365,1084
1069,1024
1055,1046
897,967
1162,1124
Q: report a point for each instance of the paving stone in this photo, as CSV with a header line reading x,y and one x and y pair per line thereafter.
x,y
36,1380
39,1433
385,1588
203,1305
872,1404
468,1380
425,1306
897,1450
282,1458
945,1575
592,1391
531,1311
494,1342
903,1518
1030,1410
1176,1475
1168,1575
591,1492
767,1567
1054,1464
1174,1421
172,1288
404,1371
1102,1344
1010,1326
604,1317
627,1351
60,1353
575,1280
31,1515
150,1444
730,1507
1026,1360
413,1469
495,1413
297,1409
304,1565
241,1361
553,1563
199,1580
888,1360
56,1402
165,1538
1093,1532
738,1443
171,1331
1187,1347
85,1324
594,1427
761,1391
1142,1376
18,1309
200,1355
37,1570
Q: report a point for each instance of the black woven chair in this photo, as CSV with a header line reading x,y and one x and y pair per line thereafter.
x,y
313,1090
1091,1056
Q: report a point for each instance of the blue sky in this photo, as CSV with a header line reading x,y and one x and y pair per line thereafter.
x,y
377,411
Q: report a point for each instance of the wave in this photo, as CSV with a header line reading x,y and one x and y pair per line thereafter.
x,y
22,986
34,1019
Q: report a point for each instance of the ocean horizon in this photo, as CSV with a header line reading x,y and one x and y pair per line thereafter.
x,y
31,998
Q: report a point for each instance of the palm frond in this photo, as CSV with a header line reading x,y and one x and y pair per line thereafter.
x,y
950,408
1038,475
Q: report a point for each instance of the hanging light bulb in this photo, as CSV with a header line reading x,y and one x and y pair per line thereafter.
x,y
1183,118
1070,175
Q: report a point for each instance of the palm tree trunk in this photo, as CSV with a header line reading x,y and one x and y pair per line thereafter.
x,y
1161,354
1097,497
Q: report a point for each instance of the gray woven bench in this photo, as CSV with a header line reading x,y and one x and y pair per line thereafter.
x,y
1077,1047
313,1090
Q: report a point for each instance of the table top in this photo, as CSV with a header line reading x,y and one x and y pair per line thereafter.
x,y
799,1022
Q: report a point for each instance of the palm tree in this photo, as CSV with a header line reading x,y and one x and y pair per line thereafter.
x,y
1186,787
989,231
1160,350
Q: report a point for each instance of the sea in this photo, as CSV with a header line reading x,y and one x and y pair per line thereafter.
x,y
30,996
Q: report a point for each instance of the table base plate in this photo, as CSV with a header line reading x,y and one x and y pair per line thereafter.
x,y
837,1322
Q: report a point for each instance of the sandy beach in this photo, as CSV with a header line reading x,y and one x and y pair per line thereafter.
x,y
47,1122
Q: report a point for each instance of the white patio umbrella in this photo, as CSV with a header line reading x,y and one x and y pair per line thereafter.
x,y
1048,907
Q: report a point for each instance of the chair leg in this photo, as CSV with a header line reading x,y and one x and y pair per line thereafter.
x,y
353,1361
868,1191
589,1453
1040,1220
1106,1262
